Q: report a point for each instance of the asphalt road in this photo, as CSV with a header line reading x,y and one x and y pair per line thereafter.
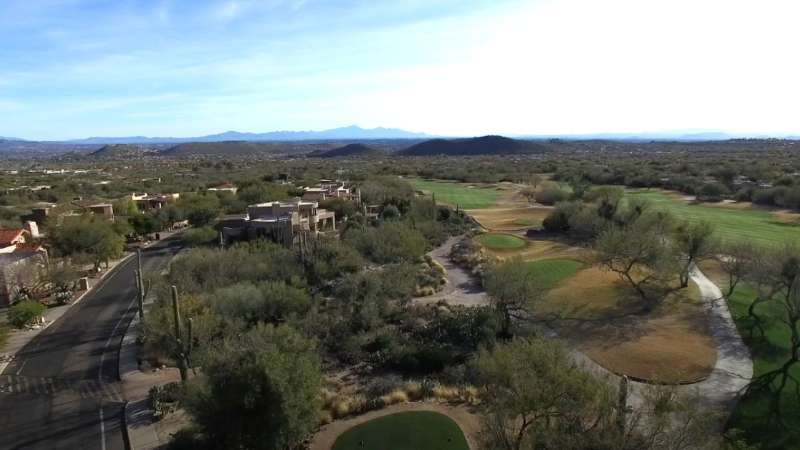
x,y
61,390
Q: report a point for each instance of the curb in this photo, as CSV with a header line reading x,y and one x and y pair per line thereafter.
x,y
126,439
69,306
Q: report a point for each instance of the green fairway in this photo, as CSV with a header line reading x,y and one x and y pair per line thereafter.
x,y
466,196
500,241
549,272
731,224
751,413
417,430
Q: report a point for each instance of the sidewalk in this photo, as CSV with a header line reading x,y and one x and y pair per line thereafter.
x,y
18,339
143,430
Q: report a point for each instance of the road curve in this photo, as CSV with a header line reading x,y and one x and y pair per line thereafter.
x,y
61,392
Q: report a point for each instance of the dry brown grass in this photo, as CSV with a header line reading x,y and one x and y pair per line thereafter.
x,y
606,320
510,219
543,249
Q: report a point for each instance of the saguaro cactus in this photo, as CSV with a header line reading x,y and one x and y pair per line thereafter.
x,y
181,354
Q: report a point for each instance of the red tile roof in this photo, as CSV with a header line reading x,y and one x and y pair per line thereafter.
x,y
10,236
28,248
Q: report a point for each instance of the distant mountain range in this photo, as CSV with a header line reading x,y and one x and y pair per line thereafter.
x,y
345,133
675,136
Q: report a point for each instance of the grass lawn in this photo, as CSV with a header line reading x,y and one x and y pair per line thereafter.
x,y
768,354
466,196
549,272
417,430
499,241
608,322
750,414
735,224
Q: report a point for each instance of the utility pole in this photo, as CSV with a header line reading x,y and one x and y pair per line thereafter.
x,y
140,284
176,314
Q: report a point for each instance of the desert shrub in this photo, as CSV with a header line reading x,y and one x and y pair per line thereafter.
x,y
551,195
390,212
200,236
712,192
26,312
5,330
165,399
558,220
394,397
205,269
331,259
391,242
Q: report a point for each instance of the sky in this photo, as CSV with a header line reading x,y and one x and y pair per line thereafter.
x,y
79,68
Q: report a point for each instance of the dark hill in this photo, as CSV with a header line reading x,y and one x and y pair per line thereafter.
x,y
486,145
223,148
122,151
351,150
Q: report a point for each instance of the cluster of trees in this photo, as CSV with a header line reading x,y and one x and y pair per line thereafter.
x,y
646,247
538,398
89,238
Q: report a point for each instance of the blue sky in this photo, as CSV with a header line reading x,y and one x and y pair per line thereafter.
x,y
77,68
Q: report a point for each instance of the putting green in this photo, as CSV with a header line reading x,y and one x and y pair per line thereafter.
x,y
500,241
415,430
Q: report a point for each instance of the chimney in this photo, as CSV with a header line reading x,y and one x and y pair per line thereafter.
x,y
31,227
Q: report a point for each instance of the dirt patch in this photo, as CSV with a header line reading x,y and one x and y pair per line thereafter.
x,y
607,321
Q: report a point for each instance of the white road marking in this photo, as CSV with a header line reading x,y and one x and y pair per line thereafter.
x,y
100,369
102,428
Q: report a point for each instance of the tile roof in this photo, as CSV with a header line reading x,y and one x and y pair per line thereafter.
x,y
8,236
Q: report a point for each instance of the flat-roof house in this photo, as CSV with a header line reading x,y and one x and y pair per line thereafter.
x,y
146,202
327,190
224,187
103,209
278,220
